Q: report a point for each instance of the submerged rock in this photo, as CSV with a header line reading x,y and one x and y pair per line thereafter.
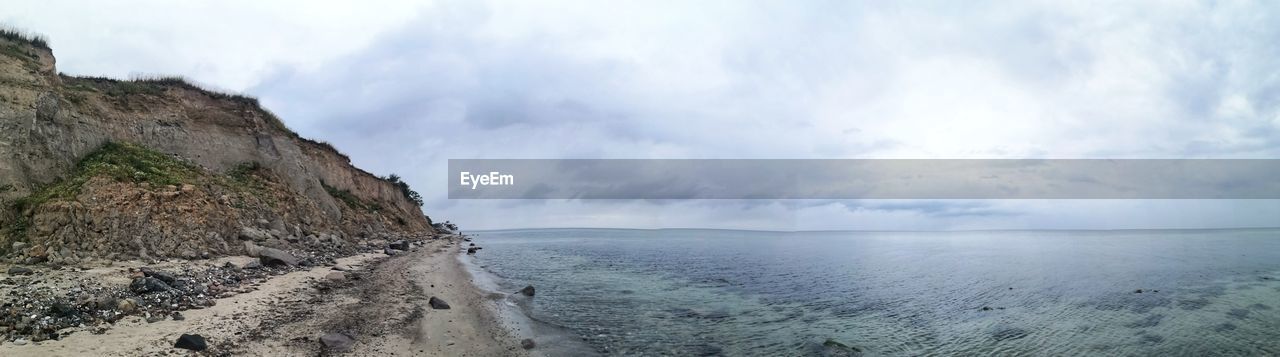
x,y
528,344
527,291
191,342
437,303
833,348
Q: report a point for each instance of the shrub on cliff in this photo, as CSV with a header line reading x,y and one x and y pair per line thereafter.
x,y
408,193
17,35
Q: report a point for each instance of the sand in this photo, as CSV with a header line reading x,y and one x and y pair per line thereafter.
x,y
382,305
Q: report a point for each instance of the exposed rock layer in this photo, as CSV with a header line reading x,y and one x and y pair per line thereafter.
x,y
303,193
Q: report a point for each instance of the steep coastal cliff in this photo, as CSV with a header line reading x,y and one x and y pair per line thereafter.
x,y
153,168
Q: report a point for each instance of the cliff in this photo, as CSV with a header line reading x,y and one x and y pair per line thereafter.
x,y
97,167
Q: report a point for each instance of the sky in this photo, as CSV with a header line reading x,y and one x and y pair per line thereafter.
x,y
403,86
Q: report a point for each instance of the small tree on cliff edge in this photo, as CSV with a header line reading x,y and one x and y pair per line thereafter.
x,y
409,193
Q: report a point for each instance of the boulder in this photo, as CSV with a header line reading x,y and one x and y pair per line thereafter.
x,y
254,234
20,271
272,256
148,284
399,245
335,276
437,303
528,344
191,342
337,341
127,305
527,291
163,276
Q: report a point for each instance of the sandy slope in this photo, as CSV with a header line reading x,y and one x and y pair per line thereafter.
x,y
382,304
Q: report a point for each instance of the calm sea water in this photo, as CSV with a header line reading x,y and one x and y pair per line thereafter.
x,y
717,292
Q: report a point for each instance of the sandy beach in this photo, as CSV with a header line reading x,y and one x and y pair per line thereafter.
x,y
380,303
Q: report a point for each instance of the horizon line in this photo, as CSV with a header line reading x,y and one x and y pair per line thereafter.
x,y
890,230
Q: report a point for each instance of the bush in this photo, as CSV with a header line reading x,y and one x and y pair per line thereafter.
x,y
408,193
121,161
16,35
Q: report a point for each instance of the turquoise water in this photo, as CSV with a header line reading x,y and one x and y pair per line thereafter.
x,y
718,292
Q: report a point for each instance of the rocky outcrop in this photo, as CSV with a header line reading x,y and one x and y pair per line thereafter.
x,y
248,172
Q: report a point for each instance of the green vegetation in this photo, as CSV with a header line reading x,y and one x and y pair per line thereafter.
x,y
20,36
408,193
157,84
350,199
244,178
120,161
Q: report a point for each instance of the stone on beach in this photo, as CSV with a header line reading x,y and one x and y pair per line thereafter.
x,y
148,284
437,303
335,276
272,256
528,344
191,342
20,271
337,341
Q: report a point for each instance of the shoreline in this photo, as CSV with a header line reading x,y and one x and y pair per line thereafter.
x,y
381,304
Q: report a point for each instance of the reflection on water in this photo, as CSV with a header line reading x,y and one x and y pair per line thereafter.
x,y
711,292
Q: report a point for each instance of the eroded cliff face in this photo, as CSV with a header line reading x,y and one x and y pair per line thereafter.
x,y
299,192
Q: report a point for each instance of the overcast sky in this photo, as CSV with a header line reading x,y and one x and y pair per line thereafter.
x,y
403,86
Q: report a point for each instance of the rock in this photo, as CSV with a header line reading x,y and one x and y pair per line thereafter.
x,y
163,276
254,234
527,291
437,303
253,265
399,245
148,285
177,316
472,250
19,342
337,341
986,308
127,305
272,256
20,271
191,342
833,348
335,276
528,344
389,251
18,246
1139,291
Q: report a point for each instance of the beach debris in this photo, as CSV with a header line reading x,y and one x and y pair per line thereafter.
x,y
437,303
148,284
528,344
191,342
272,256
527,291
337,341
20,271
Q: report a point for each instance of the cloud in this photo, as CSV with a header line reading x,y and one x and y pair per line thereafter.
x,y
403,87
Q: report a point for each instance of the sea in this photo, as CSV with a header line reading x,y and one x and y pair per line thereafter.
x,y
697,292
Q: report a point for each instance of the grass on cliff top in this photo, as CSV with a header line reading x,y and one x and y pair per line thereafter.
x,y
20,36
157,84
121,161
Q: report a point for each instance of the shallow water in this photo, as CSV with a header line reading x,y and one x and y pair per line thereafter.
x,y
712,292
